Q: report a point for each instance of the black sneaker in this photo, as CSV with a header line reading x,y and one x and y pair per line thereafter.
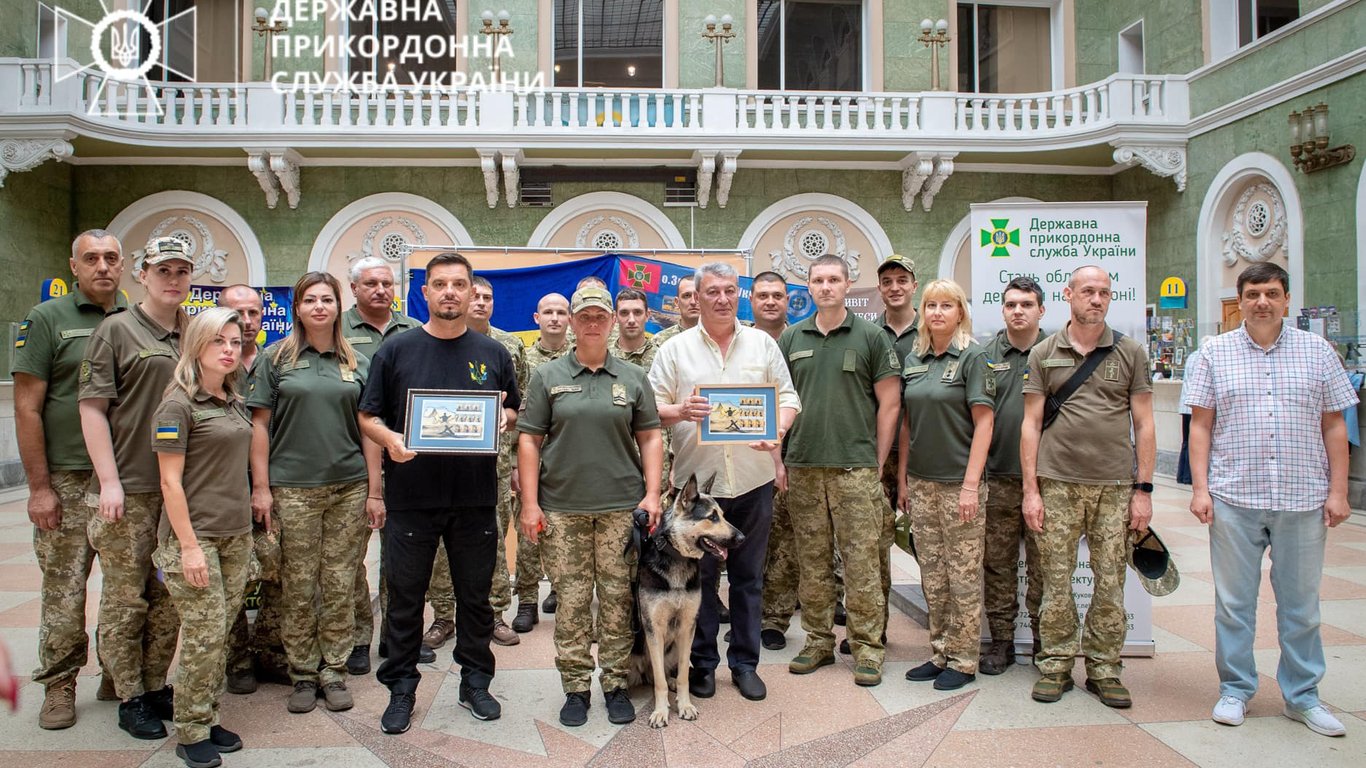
x,y
426,655
201,754
527,617
137,718
575,710
358,663
620,710
925,672
398,716
162,703
550,603
772,639
480,703
224,739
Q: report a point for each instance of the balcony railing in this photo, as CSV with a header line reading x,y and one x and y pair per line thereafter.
x,y
233,111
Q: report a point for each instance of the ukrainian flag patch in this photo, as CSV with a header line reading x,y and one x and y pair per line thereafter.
x,y
168,432
22,337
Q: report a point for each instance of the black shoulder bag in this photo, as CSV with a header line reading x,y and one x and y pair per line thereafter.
x,y
1055,401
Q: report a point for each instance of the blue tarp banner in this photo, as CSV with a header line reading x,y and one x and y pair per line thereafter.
x,y
277,305
516,291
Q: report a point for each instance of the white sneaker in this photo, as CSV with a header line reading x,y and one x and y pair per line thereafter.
x,y
1229,710
1319,720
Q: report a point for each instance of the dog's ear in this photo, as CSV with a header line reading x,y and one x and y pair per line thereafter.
x,y
689,493
710,482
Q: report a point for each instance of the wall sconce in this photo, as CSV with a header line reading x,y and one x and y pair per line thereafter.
x,y
494,33
1309,141
934,34
719,39
267,29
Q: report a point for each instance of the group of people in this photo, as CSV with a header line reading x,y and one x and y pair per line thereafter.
x,y
186,458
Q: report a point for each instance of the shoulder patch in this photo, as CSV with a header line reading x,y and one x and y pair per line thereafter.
x,y
991,385
168,430
85,371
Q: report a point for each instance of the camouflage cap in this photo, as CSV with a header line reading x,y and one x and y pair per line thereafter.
x,y
163,249
1153,564
897,260
590,296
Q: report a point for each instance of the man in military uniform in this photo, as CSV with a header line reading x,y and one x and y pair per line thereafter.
x,y
768,304
688,312
552,317
500,598
253,645
1008,356
848,366
632,345
1079,479
371,322
47,357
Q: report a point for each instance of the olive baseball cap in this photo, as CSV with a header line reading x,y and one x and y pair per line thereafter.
x,y
1153,563
896,260
590,296
163,249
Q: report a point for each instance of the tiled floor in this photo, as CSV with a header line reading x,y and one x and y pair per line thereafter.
x,y
818,720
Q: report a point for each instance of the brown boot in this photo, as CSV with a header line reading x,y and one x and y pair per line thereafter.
x,y
59,706
503,634
438,633
997,658
106,690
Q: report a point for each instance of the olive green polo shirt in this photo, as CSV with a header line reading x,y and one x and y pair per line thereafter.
x,y
642,357
315,439
1008,364
49,347
1090,440
834,375
365,337
904,342
590,462
215,437
129,361
938,393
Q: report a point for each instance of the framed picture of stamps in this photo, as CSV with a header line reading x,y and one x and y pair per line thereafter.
x,y
451,421
739,413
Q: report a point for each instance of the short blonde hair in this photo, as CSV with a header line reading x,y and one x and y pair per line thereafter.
x,y
941,290
204,327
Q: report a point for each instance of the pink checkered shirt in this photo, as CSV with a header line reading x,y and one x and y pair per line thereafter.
x,y
1266,450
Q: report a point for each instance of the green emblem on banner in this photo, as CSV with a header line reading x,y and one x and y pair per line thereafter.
x,y
998,236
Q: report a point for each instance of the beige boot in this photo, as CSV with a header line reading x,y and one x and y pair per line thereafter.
x,y
59,706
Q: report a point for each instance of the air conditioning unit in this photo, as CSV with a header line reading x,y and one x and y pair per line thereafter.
x,y
535,194
680,190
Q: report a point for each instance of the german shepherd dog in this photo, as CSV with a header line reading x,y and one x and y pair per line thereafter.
x,y
668,593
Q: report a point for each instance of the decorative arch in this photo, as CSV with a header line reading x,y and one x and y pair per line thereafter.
x,y
180,199
591,202
958,236
1230,180
850,211
384,202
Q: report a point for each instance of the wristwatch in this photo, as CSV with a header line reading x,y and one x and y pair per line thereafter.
x,y
1143,487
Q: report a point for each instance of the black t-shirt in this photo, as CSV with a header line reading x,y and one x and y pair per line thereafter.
x,y
418,360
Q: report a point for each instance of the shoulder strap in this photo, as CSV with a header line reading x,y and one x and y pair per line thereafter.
x,y
1088,366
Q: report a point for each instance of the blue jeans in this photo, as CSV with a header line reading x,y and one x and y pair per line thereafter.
x,y
1237,539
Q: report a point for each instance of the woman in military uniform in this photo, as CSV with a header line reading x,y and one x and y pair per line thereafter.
x,y
311,467
590,452
948,398
202,438
128,362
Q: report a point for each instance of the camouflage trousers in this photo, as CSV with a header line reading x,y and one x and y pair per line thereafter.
x,y
584,553
780,569
138,621
206,616
322,531
842,508
950,554
441,593
1101,514
65,557
1001,561
530,568
255,646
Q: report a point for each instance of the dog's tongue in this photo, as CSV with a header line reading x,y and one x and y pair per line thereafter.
x,y
721,553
